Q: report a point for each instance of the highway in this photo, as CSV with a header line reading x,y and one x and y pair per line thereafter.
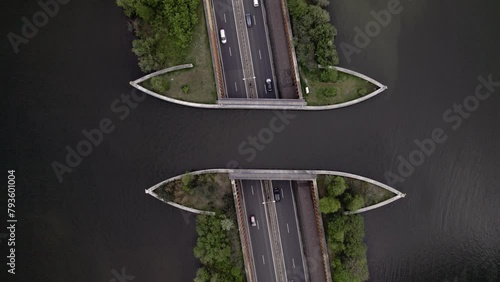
x,y
252,193
260,49
230,52
289,231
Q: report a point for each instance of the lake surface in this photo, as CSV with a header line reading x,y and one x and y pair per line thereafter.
x,y
99,219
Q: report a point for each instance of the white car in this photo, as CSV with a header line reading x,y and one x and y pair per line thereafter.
x,y
252,220
223,36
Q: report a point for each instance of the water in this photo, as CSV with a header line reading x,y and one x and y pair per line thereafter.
x,y
99,219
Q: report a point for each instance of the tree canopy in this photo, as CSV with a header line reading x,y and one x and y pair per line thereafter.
x,y
345,240
314,35
164,29
213,249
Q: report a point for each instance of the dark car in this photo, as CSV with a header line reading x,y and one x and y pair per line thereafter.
x,y
269,85
277,195
249,20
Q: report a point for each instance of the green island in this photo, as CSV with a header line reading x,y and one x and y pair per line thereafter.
x,y
345,233
314,47
170,33
219,248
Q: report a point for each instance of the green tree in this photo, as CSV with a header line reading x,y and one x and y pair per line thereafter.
x,y
329,205
356,203
335,185
202,275
213,249
227,224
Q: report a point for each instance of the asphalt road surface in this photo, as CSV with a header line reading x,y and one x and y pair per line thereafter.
x,y
252,192
230,53
289,231
259,49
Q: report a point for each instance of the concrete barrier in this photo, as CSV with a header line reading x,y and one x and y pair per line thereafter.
x,y
276,174
251,105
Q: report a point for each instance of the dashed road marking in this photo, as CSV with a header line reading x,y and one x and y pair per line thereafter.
x,y
225,18
235,86
293,263
260,55
263,260
252,188
230,53
287,228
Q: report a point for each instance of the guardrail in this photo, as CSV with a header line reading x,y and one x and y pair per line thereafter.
x,y
321,231
212,31
291,49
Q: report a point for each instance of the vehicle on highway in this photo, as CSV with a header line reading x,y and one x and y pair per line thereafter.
x,y
256,3
269,85
249,20
277,195
223,36
252,220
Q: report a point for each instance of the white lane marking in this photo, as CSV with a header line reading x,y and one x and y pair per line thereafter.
x,y
252,188
293,263
225,18
258,226
282,193
287,228
230,53
235,86
260,55
263,260
254,20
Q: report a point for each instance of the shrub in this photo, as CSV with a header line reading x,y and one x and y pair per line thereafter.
x,y
185,89
329,75
328,92
362,91
356,203
160,84
187,182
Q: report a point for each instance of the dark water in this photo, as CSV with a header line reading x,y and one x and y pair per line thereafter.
x,y
99,219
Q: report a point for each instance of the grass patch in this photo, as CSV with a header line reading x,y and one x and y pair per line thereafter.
x,y
196,84
211,192
371,193
347,87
